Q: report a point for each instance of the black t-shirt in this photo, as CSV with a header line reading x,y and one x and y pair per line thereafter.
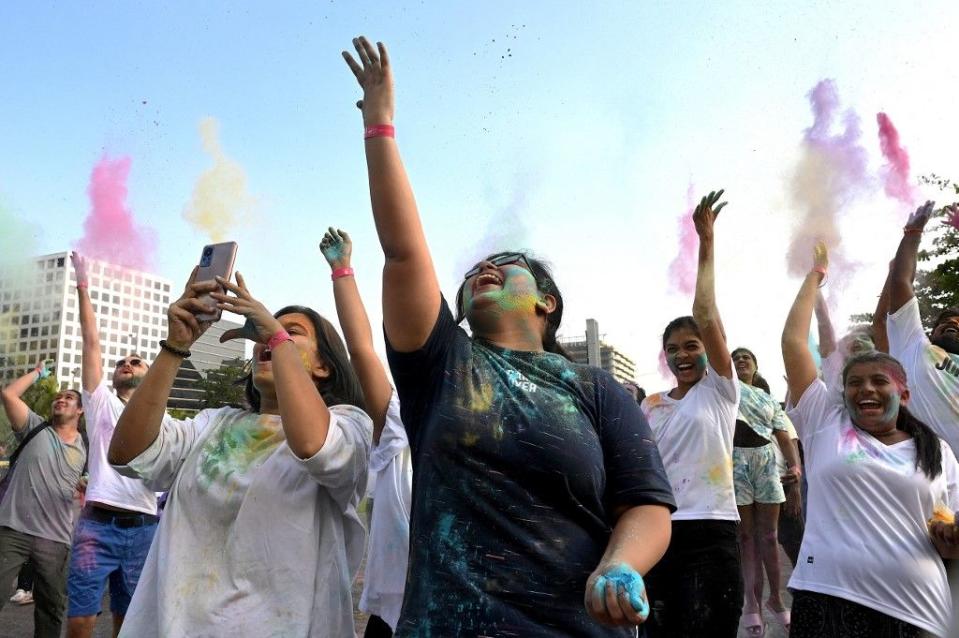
x,y
519,461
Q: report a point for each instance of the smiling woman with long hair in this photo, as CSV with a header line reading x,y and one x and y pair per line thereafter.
x,y
536,483
260,535
870,563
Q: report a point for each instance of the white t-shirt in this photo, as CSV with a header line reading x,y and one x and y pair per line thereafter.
x,y
932,373
102,409
866,538
388,551
253,541
695,439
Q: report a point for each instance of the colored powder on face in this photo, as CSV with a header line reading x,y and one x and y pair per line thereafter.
x,y
896,171
220,200
682,270
109,231
830,174
624,578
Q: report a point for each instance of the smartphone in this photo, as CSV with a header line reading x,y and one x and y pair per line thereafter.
x,y
216,260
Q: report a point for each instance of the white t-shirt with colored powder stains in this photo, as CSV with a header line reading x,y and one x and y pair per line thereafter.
x,y
103,409
253,541
695,439
388,554
866,538
932,373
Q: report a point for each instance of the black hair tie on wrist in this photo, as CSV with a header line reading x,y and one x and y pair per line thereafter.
x,y
183,354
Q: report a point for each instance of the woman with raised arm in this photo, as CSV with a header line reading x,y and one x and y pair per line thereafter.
x,y
391,474
536,482
697,589
260,535
871,558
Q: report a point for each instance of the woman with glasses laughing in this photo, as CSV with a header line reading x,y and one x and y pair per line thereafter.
x,y
539,498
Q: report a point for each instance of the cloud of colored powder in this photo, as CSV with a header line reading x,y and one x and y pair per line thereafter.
x,y
109,231
505,229
895,173
17,241
683,268
220,200
830,174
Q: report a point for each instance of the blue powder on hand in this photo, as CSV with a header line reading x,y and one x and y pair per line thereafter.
x,y
630,580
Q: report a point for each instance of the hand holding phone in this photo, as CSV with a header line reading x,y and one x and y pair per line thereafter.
x,y
216,260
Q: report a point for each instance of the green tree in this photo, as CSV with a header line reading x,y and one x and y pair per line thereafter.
x,y
223,386
938,288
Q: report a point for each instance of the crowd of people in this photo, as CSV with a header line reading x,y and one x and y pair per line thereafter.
x,y
514,492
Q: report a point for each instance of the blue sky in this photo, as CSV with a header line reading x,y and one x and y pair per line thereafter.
x,y
571,129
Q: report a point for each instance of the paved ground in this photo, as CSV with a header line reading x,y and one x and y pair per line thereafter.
x,y
17,621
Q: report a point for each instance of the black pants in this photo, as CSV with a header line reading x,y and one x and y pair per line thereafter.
x,y
50,562
376,627
816,615
25,578
790,532
696,590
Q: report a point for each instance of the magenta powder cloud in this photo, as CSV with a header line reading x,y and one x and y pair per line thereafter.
x,y
830,174
109,231
682,270
896,171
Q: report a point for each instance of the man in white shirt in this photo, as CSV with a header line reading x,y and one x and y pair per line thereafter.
x,y
931,362
119,519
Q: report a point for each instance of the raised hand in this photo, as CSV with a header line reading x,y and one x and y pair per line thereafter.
x,y
80,267
45,368
183,328
616,595
952,215
375,78
337,248
820,257
260,323
917,221
706,212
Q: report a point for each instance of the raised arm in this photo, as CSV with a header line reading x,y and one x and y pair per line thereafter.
x,y
880,337
18,411
92,366
800,366
904,264
337,248
139,424
705,311
827,336
411,292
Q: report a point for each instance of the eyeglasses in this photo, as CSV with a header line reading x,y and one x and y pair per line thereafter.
x,y
500,260
134,363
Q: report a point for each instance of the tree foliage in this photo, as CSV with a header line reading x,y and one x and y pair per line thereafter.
x,y
938,287
223,387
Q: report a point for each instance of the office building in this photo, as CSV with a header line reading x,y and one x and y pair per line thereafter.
x,y
592,350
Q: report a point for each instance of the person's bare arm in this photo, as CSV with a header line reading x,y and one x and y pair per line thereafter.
x,y
411,292
91,368
337,249
800,366
140,421
903,269
827,335
615,593
880,337
705,310
17,410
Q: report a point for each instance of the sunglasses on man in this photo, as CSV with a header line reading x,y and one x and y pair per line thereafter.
x,y
500,260
134,363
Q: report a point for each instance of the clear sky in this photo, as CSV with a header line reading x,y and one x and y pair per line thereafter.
x,y
571,129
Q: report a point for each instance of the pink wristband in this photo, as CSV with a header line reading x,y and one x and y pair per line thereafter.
x,y
379,130
341,272
280,336
821,271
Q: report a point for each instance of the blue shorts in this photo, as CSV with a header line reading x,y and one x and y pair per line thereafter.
x,y
105,551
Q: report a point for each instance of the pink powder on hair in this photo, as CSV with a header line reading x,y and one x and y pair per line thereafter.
x,y
896,171
109,231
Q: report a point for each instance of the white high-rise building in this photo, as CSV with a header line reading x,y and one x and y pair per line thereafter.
x,y
39,319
